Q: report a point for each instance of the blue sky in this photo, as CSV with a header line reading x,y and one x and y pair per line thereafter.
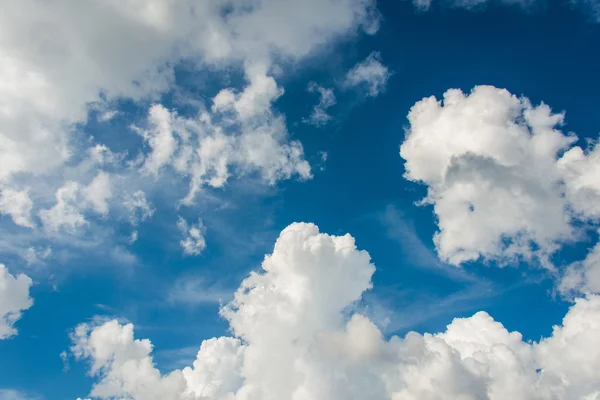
x,y
377,61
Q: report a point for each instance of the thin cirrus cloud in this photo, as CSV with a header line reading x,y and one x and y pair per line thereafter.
x,y
291,338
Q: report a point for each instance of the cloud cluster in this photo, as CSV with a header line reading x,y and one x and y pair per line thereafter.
x,y
293,339
14,299
505,182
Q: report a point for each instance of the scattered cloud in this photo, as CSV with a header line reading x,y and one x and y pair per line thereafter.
x,y
18,205
369,74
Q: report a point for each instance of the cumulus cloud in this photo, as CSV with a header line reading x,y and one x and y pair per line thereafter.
x,y
14,299
193,242
293,339
498,183
370,74
319,116
73,199
583,276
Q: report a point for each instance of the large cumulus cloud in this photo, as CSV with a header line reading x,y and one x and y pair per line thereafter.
x,y
294,339
504,180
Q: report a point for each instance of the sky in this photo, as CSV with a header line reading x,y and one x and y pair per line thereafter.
x,y
299,199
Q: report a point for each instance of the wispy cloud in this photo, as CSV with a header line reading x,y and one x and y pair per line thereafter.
x,y
195,291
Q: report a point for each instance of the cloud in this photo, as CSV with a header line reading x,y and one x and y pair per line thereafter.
x,y
62,65
240,135
193,242
293,338
14,299
370,74
72,200
58,60
18,205
319,116
499,188
139,208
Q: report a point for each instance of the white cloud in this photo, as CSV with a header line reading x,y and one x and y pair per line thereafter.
x,y
98,192
370,74
14,299
139,208
37,256
193,242
319,116
583,276
57,60
293,340
240,136
66,213
491,164
18,205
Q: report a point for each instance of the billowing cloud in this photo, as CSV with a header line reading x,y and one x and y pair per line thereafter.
x,y
14,299
293,339
370,74
496,176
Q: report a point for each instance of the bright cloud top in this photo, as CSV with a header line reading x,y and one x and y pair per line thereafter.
x,y
294,340
496,175
14,299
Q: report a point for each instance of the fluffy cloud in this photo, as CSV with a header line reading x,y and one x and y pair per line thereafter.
x,y
193,242
583,276
293,339
241,134
18,205
319,116
370,74
14,299
491,162
72,200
